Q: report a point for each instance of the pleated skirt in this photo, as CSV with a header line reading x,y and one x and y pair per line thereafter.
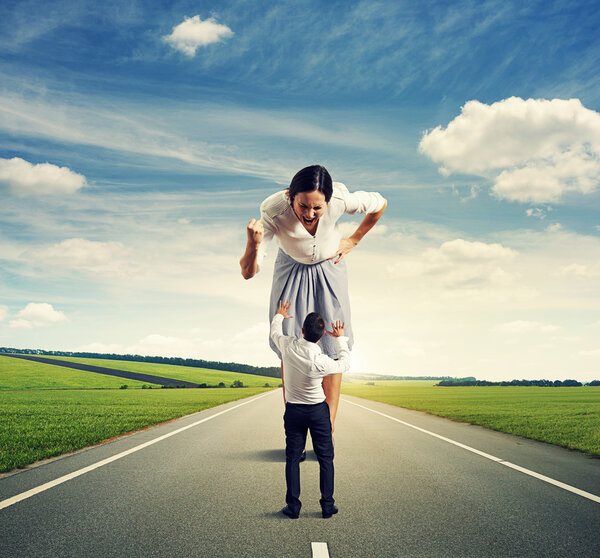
x,y
320,287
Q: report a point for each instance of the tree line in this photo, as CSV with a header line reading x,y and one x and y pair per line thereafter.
x,y
541,383
271,371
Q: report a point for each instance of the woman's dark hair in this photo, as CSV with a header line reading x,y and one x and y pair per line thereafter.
x,y
310,179
314,327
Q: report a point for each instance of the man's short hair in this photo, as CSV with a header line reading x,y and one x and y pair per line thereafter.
x,y
314,327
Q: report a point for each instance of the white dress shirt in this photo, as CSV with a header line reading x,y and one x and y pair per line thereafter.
x,y
280,221
304,365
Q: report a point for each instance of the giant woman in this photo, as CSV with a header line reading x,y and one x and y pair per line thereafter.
x,y
310,269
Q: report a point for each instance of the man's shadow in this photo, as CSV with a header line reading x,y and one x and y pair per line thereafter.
x,y
278,455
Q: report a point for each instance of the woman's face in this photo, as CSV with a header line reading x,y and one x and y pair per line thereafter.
x,y
309,207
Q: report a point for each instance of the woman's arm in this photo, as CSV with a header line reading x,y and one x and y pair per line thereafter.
x,y
248,261
346,244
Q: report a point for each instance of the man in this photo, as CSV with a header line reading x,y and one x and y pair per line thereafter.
x,y
304,366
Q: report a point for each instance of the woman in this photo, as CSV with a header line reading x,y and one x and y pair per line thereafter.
x,y
309,269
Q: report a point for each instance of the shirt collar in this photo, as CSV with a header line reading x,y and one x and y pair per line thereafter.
x,y
309,345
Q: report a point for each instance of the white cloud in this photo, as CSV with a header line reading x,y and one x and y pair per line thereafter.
x,y
555,227
153,131
581,271
459,264
463,250
547,180
534,150
207,135
595,353
97,347
538,212
23,178
524,326
408,348
474,193
37,314
156,344
21,324
194,32
88,255
440,311
346,229
3,312
247,346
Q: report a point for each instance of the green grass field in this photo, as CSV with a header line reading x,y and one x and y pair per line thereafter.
x,y
565,416
48,410
38,424
25,374
186,373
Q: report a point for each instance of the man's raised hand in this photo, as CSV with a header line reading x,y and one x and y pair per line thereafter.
x,y
284,306
337,329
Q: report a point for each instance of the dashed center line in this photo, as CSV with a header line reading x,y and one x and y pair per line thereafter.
x,y
498,460
319,550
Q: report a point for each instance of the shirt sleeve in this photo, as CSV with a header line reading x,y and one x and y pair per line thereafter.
x,y
361,202
326,366
269,232
277,331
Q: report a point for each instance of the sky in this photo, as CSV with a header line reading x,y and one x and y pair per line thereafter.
x,y
137,139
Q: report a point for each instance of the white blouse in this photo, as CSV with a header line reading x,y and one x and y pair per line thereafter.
x,y
280,221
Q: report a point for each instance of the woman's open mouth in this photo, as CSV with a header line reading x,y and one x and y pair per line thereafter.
x,y
309,221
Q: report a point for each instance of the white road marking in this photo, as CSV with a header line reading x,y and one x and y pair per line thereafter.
x,y
549,480
319,550
24,495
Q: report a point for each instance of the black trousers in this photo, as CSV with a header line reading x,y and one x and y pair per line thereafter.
x,y
298,419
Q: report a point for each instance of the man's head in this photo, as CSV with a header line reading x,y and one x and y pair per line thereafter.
x,y
313,327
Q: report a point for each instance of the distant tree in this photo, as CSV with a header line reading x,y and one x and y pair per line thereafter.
x,y
237,384
524,383
221,385
594,383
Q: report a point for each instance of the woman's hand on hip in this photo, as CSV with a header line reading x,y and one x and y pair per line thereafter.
x,y
345,247
255,231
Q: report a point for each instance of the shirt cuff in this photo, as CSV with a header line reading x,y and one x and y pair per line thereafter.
x,y
277,316
342,342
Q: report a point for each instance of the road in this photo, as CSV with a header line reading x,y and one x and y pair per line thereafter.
x,y
213,485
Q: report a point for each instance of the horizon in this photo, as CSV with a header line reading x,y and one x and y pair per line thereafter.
x,y
137,141
138,358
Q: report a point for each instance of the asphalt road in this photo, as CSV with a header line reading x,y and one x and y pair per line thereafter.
x,y
215,489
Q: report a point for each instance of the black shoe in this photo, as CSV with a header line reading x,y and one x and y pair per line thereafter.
x,y
287,511
327,514
303,456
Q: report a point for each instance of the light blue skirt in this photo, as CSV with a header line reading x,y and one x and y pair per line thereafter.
x,y
320,287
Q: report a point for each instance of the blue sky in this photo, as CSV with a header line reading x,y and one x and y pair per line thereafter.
x,y
138,138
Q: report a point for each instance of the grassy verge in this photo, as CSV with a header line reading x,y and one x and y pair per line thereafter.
x,y
25,374
565,416
35,425
186,373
